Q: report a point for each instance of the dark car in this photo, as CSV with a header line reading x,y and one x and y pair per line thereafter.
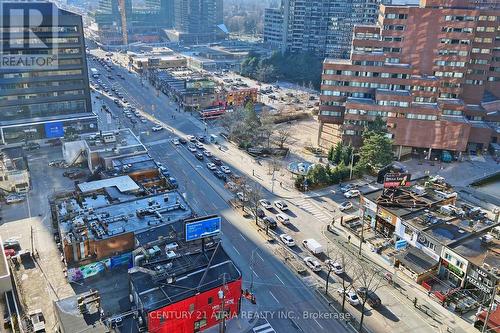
x,y
269,221
183,141
371,298
31,146
260,213
200,138
199,156
219,174
217,161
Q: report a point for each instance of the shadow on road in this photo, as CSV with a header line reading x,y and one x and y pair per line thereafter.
x,y
290,213
384,311
292,227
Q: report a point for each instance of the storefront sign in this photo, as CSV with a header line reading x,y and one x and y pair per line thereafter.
x,y
385,215
370,205
392,180
481,279
452,268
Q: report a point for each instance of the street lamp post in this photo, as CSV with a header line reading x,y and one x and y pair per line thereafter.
x,y
222,296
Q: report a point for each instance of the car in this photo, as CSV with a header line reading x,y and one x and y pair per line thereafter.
x,y
173,182
225,169
199,156
211,166
313,264
282,218
219,174
242,196
350,296
192,148
200,138
334,266
183,141
11,244
287,240
176,141
345,206
281,205
352,194
260,213
14,198
31,146
191,138
207,153
143,120
270,222
128,115
347,187
199,145
217,161
157,128
133,121
371,298
266,204
117,102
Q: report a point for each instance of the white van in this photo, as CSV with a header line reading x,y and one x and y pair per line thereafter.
x,y
312,245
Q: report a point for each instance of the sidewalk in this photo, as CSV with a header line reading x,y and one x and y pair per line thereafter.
x,y
243,323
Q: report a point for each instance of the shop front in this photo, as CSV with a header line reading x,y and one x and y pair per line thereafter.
x,y
452,268
480,283
385,222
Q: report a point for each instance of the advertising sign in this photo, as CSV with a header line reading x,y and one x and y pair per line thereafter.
x,y
54,130
95,268
200,84
392,180
400,244
203,227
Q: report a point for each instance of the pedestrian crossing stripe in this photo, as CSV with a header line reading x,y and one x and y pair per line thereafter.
x,y
265,328
313,210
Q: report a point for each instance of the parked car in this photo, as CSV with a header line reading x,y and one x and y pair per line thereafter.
x,y
200,138
199,156
269,221
31,146
351,296
281,205
219,174
371,298
173,182
347,187
352,194
345,206
242,196
207,153
260,213
217,161
225,169
266,204
191,138
211,166
287,240
156,128
199,145
176,141
282,218
335,266
11,244
192,148
312,264
183,141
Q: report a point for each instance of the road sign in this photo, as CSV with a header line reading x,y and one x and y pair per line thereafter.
x,y
202,227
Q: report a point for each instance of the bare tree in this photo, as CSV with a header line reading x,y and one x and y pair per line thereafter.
x,y
282,136
369,281
253,194
347,284
267,128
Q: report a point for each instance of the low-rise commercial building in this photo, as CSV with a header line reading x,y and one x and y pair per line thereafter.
x,y
14,173
141,64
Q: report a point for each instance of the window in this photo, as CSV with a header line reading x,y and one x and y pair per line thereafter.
x,y
210,300
447,256
420,116
474,82
452,112
331,113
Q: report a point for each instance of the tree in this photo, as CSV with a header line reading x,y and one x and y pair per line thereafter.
x,y
330,154
376,150
370,280
318,175
347,155
282,136
253,193
266,129
337,153
376,126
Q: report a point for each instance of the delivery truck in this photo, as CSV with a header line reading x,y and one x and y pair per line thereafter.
x,y
313,246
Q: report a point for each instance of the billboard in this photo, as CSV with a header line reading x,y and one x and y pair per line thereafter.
x,y
392,180
54,130
200,84
202,227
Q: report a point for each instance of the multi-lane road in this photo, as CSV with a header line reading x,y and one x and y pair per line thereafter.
x,y
277,288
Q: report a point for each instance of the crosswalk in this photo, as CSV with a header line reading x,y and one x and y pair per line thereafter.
x,y
265,328
308,206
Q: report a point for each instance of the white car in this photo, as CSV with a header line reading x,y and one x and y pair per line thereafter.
x,y
192,148
313,264
350,295
287,240
281,205
345,206
265,203
352,194
282,218
211,166
191,138
157,128
225,169
199,145
335,266
347,187
242,196
176,141
207,153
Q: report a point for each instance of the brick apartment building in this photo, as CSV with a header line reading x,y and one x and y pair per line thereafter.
x,y
431,71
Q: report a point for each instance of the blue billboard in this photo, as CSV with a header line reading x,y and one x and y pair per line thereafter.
x,y
202,227
54,130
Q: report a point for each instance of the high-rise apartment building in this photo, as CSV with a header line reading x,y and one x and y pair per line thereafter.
x,y
197,21
432,71
44,88
323,27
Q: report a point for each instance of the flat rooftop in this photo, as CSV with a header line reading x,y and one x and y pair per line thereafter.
x,y
479,251
97,217
73,320
113,143
192,274
122,183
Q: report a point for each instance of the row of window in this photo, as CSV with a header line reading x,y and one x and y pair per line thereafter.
x,y
40,74
478,50
474,82
365,74
400,104
40,41
372,113
367,36
40,95
448,74
39,29
368,63
42,110
424,88
373,85
447,112
420,116
448,95
331,113
485,29
454,29
397,27
346,94
392,49
396,16
450,63
486,40
30,85
455,41
421,99
392,39
447,52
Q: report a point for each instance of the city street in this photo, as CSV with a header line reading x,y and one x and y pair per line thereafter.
x,y
207,195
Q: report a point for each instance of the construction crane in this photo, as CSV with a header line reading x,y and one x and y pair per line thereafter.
x,y
123,14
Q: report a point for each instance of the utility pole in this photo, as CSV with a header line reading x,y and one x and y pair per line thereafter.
x,y
352,162
362,229
222,295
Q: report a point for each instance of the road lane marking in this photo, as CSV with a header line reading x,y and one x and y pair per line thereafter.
x,y
258,255
265,328
243,237
273,296
255,274
279,279
318,323
237,251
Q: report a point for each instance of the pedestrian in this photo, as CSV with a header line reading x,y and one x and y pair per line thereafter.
x,y
349,239
281,184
